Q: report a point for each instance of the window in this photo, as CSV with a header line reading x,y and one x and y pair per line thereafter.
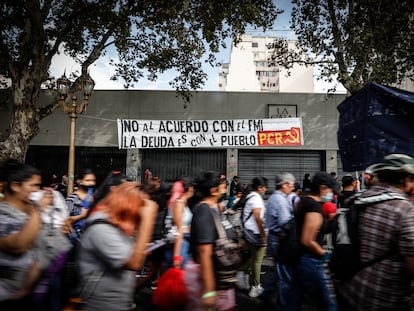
x,y
255,44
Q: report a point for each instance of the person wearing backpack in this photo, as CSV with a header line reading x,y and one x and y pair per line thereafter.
x,y
309,276
279,210
254,233
386,241
113,247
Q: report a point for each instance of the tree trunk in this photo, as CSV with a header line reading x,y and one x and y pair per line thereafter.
x,y
24,123
23,127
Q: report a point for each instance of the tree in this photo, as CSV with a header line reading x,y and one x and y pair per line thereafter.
x,y
355,41
155,35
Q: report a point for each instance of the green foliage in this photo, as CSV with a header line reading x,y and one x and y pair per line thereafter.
x,y
357,41
149,37
155,35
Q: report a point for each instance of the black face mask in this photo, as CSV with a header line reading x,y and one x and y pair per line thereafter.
x,y
86,188
410,192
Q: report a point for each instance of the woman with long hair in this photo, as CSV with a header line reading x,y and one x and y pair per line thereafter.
x,y
309,276
113,245
217,285
182,217
160,192
20,224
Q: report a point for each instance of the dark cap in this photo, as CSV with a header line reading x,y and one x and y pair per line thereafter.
x,y
347,180
397,163
370,169
325,179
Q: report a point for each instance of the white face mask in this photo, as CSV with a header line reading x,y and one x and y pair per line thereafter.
x,y
328,197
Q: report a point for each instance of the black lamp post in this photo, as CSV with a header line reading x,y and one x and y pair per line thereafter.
x,y
64,86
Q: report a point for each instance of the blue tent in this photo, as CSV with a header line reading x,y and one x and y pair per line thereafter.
x,y
376,121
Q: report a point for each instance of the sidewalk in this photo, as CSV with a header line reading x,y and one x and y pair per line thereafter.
x,y
244,302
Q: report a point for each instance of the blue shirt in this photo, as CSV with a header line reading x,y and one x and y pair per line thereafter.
x,y
279,210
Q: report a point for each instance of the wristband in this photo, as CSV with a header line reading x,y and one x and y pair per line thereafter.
x,y
177,258
209,294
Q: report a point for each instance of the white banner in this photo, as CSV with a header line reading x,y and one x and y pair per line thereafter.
x,y
209,133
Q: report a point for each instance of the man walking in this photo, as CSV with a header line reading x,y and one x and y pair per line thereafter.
x,y
386,234
279,210
350,186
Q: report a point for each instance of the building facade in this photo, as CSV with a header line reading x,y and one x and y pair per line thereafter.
x,y
249,70
97,140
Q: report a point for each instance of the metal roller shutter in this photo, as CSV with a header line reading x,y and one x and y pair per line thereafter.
x,y
269,163
168,164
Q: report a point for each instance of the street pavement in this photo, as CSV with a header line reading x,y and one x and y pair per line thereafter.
x,y
244,302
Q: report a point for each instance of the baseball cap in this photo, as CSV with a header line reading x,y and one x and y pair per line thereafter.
x,y
397,163
325,179
370,169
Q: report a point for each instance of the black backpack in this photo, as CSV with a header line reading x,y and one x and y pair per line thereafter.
x,y
345,260
236,217
289,248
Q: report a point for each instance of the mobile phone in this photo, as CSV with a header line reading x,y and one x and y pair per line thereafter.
x,y
154,245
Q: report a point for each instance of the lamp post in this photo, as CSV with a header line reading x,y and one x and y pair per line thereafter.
x,y
72,109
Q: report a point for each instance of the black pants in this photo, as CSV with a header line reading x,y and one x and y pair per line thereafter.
x,y
25,303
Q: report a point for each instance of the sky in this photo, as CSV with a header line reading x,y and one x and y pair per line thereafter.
x,y
101,71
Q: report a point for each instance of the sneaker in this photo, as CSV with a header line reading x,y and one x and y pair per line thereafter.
x,y
256,291
153,285
242,280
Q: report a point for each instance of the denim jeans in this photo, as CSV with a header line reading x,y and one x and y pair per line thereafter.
x,y
311,281
184,253
230,201
281,280
271,281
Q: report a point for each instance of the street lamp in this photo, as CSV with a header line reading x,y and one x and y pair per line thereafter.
x,y
72,109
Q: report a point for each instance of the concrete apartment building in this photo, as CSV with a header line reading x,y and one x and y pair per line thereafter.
x,y
249,70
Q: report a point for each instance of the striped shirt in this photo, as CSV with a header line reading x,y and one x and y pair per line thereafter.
x,y
385,227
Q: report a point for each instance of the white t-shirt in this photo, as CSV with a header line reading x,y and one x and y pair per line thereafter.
x,y
254,200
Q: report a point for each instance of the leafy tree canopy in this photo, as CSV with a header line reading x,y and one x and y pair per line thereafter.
x,y
155,35
355,41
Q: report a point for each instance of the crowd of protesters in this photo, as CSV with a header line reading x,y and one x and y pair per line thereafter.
x,y
103,244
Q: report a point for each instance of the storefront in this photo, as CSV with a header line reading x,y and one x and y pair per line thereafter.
x,y
99,147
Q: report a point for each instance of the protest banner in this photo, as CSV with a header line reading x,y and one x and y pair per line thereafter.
x,y
242,133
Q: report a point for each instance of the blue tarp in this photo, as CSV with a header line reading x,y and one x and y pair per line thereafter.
x,y
376,121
